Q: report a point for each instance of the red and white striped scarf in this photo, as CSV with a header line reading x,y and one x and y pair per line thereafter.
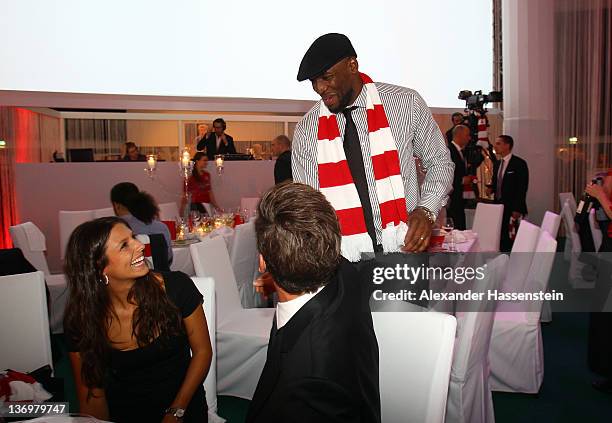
x,y
336,181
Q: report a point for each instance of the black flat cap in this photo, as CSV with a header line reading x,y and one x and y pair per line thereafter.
x,y
325,52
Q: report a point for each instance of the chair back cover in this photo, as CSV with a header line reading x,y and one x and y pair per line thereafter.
x,y
595,230
31,241
487,224
568,197
415,351
245,262
572,238
541,267
106,212
210,259
168,211
550,223
24,323
469,396
206,286
521,257
68,221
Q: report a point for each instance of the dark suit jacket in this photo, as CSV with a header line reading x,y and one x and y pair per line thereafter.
x,y
514,185
210,144
460,171
322,366
282,167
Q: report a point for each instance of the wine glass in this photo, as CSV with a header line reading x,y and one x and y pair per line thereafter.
x,y
448,227
195,218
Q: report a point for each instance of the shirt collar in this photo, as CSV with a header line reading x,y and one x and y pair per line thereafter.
x,y
286,310
507,158
361,100
457,145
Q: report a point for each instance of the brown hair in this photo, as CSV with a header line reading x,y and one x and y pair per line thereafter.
x,y
298,236
89,312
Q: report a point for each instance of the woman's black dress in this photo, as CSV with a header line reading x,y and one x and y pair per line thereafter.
x,y
143,382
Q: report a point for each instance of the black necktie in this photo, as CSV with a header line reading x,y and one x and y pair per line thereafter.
x,y
354,158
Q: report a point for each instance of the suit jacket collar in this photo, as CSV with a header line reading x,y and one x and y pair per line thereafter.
x,y
283,340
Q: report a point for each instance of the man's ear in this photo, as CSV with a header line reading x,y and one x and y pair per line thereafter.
x,y
353,65
262,264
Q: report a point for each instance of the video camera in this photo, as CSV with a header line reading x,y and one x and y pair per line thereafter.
x,y
478,100
475,108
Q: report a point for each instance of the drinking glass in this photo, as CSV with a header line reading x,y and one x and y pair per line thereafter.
x,y
449,226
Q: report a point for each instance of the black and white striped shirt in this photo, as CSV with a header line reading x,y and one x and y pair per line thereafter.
x,y
415,133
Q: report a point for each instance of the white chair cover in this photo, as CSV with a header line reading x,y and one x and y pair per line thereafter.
x,y
568,197
516,352
245,262
68,221
469,394
24,325
550,223
58,288
168,211
21,235
487,224
573,248
595,230
415,352
250,204
106,212
521,256
206,286
242,334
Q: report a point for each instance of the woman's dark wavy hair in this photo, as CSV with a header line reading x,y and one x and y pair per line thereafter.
x,y
194,171
140,204
89,312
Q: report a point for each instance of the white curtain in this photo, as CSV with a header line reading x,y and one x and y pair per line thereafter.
x,y
583,91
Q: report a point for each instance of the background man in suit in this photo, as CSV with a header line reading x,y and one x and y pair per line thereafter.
x,y
457,118
510,183
455,208
322,362
281,148
218,142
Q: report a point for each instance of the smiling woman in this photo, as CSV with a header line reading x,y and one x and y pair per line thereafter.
x,y
130,330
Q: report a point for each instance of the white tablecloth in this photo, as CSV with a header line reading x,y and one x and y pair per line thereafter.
x,y
182,260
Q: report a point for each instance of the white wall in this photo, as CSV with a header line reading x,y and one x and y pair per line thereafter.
x,y
237,48
43,189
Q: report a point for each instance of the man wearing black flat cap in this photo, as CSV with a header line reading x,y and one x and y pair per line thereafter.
x,y
358,146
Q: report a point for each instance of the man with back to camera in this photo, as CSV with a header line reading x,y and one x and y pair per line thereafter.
x,y
455,208
510,183
281,148
322,362
357,145
217,142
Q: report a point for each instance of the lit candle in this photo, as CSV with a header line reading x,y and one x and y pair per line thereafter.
x,y
219,161
186,158
151,161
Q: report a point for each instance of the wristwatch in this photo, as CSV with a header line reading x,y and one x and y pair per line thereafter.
x,y
429,214
176,412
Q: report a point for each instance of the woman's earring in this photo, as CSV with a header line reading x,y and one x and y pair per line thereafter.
x,y
105,279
